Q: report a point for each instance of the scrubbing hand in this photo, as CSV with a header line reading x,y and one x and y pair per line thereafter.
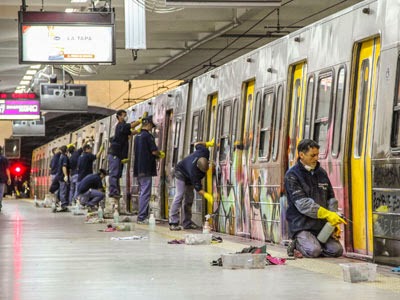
x,y
208,197
161,155
210,143
332,217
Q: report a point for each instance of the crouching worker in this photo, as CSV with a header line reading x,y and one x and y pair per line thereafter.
x,y
311,203
90,189
188,173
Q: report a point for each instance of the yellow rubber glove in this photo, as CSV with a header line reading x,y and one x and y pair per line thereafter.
x,y
125,160
336,232
101,148
332,217
18,193
210,143
208,197
161,155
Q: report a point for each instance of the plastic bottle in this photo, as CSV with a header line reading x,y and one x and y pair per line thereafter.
x,y
206,227
325,232
152,222
35,201
100,212
116,216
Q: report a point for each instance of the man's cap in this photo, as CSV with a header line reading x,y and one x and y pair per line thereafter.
x,y
69,146
148,120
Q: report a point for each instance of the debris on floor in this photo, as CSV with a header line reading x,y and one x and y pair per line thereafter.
x,y
118,227
396,270
176,242
129,238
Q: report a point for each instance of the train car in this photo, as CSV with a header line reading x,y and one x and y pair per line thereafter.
x,y
335,81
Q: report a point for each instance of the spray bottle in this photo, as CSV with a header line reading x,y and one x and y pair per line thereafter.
x,y
206,227
152,222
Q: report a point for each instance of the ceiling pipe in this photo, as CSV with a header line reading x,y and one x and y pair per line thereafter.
x,y
208,38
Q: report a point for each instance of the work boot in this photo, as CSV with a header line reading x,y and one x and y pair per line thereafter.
x,y
175,227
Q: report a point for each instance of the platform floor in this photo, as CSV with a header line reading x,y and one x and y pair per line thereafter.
x,y
56,256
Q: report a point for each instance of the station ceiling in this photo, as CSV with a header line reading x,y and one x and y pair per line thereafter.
x,y
181,44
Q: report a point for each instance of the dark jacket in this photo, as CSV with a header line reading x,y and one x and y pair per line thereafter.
x,y
306,192
145,162
3,169
187,170
73,161
54,163
120,143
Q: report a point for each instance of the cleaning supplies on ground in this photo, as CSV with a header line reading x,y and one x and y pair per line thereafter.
x,y
129,238
152,222
116,216
100,212
206,227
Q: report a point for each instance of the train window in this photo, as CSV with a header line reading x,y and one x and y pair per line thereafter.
x,y
308,110
266,124
177,139
201,126
295,118
195,130
322,114
277,124
256,122
234,122
363,92
395,137
225,143
338,113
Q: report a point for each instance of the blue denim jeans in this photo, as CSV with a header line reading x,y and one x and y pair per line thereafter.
x,y
114,174
2,188
183,193
73,188
91,197
144,197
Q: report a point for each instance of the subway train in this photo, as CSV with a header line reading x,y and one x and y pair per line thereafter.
x,y
336,81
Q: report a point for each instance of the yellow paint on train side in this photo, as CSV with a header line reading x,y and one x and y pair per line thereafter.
x,y
361,173
211,135
296,113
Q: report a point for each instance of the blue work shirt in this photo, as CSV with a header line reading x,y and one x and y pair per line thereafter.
x,y
187,170
3,169
62,162
145,161
306,192
92,181
54,163
119,144
85,165
73,161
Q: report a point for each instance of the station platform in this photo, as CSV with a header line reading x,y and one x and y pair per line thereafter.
x,y
45,255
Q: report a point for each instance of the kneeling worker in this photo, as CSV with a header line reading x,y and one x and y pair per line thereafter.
x,y
311,203
188,173
90,189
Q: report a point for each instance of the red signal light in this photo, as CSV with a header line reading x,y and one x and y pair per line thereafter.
x,y
17,169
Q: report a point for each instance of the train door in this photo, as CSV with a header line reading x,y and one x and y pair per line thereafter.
x,y
212,127
247,130
295,112
165,166
366,55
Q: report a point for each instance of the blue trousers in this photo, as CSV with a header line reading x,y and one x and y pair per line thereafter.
x,y
309,246
144,197
114,174
91,197
183,192
73,188
63,193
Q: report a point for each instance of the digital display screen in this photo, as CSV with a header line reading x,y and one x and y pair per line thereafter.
x,y
66,38
19,106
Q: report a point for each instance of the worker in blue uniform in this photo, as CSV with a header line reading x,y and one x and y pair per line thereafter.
x,y
73,162
63,179
54,183
311,203
85,162
144,168
5,176
118,151
188,173
91,189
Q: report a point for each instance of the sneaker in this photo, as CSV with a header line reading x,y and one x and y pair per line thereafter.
x,y
191,226
175,227
291,247
115,196
143,222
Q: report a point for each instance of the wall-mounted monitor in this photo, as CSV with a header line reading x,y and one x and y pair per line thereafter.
x,y
224,3
12,148
65,98
19,106
66,38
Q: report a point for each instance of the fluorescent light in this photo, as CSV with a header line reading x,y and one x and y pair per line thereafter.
x,y
71,10
79,1
31,72
36,67
135,25
24,82
27,77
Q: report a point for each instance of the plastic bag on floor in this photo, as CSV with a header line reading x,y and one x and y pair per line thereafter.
x,y
129,238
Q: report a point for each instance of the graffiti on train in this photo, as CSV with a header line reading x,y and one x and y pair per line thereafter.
x,y
390,200
387,175
387,226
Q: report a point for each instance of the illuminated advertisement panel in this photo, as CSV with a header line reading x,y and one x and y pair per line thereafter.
x,y
19,107
66,38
